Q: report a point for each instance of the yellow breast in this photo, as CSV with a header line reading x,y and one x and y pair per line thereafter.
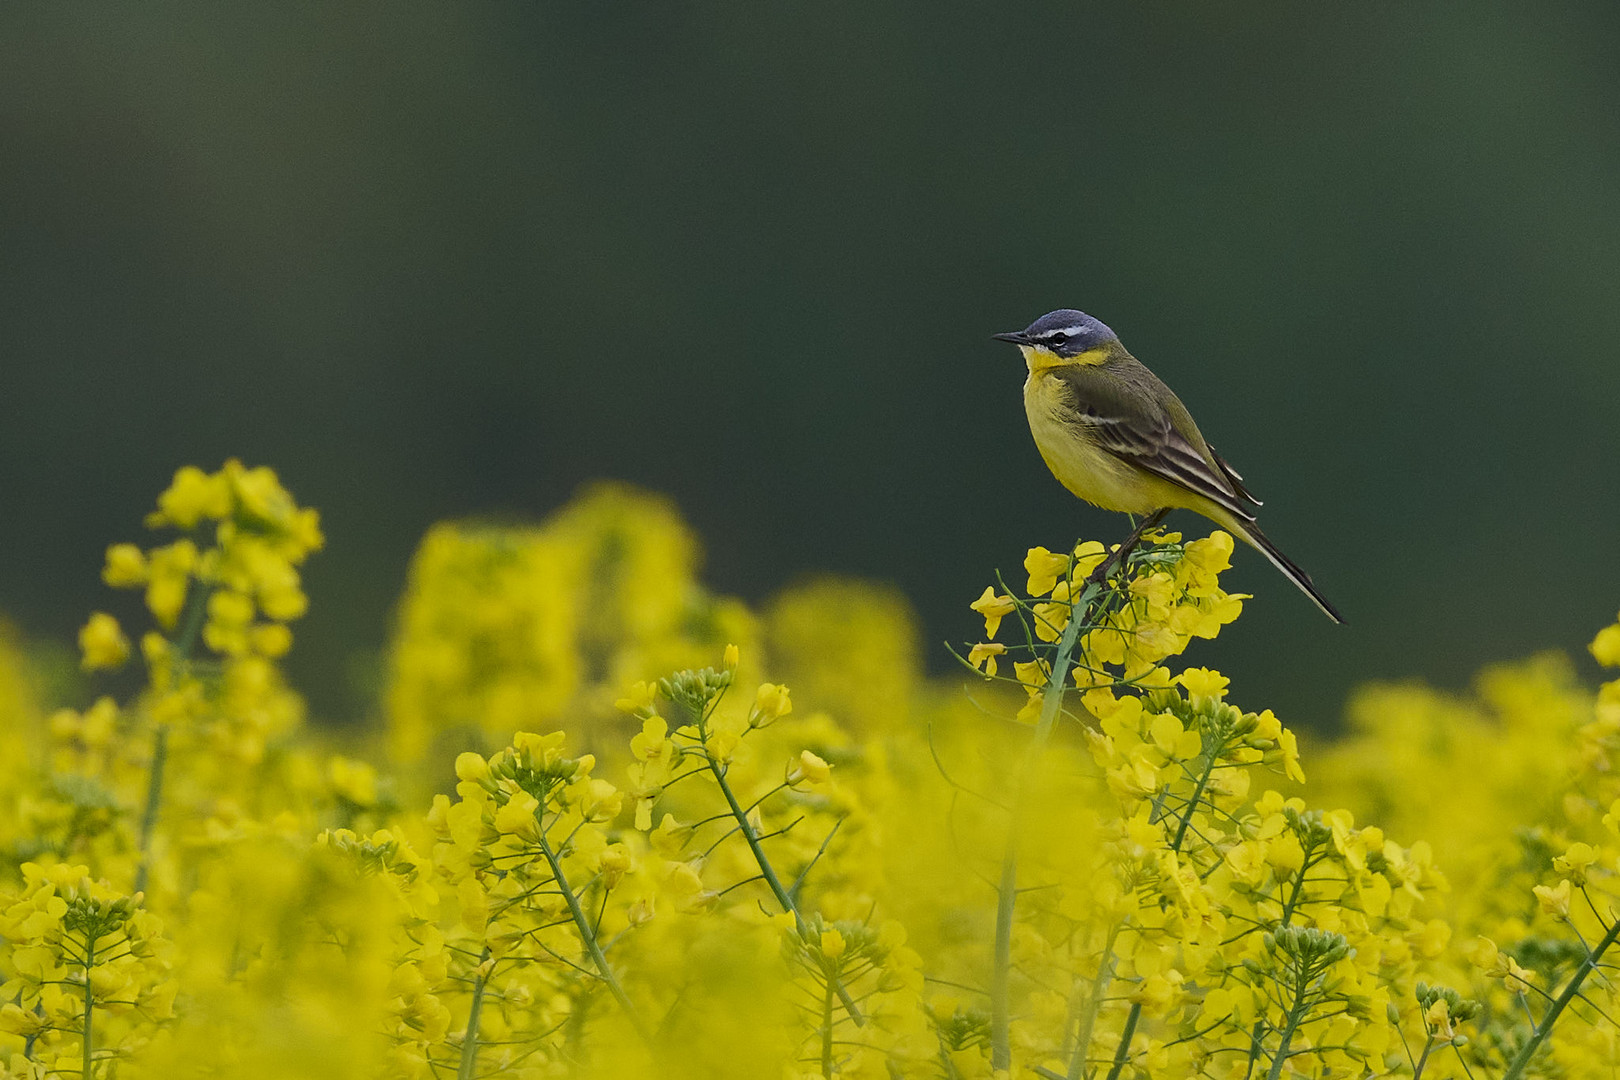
x,y
1080,465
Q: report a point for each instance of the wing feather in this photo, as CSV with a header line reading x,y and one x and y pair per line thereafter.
x,y
1147,438
1233,476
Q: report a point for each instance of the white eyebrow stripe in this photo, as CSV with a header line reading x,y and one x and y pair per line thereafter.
x,y
1066,331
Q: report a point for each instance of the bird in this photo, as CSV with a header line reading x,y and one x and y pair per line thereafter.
x,y
1116,436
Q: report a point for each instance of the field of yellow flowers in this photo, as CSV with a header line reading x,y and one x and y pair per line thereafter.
x,y
618,826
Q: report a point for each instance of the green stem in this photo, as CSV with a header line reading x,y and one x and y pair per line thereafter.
x,y
588,936
768,872
1000,1004
1129,1033
196,608
154,797
89,1000
1299,887
469,1041
1255,1047
1007,890
1423,1059
1294,1016
827,1028
1198,794
578,1016
1544,1028
1105,971
1125,1038
1256,1034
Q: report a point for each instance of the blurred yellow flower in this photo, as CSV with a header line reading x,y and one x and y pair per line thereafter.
x,y
126,566
1554,900
102,643
192,496
771,702
1606,646
1575,862
1166,907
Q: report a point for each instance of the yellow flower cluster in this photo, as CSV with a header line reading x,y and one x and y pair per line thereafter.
x,y
743,821
88,983
1171,596
1092,864
236,565
1517,783
524,854
1195,923
195,802
507,628
214,703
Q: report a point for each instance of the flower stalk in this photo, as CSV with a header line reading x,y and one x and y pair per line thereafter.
x,y
1294,1016
89,1004
1571,990
1105,972
154,798
1211,754
196,608
1080,617
827,1027
768,873
469,1041
587,934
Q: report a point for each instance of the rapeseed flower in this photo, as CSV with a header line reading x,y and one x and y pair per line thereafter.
x,y
102,643
1112,874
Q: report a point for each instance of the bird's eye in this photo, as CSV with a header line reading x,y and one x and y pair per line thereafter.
x,y
1056,341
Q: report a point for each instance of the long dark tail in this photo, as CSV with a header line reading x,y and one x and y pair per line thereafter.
x,y
1289,568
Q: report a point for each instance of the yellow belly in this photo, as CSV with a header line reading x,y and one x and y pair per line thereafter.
x,y
1084,468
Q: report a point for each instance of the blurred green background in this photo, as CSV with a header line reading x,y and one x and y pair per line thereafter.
x,y
440,260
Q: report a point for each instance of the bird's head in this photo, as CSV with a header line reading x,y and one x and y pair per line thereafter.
x,y
1065,334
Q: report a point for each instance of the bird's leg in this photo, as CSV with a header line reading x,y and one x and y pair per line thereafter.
x,y
1119,555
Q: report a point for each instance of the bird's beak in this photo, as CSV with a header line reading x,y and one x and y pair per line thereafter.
x,y
1017,337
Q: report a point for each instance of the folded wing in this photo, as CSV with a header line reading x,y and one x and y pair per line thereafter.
x,y
1136,429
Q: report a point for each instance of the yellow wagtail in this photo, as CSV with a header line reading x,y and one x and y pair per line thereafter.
x,y
1117,437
